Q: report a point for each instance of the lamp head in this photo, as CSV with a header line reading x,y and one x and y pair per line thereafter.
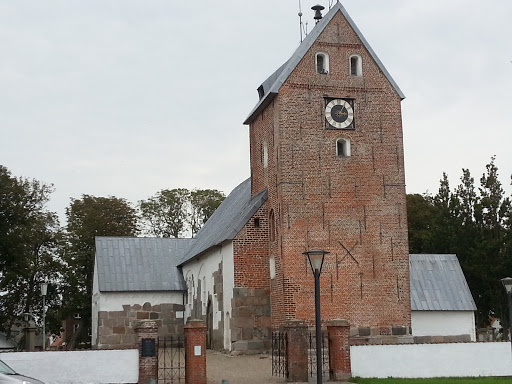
x,y
44,288
507,283
316,259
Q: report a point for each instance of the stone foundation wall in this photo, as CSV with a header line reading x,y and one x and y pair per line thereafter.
x,y
117,328
251,322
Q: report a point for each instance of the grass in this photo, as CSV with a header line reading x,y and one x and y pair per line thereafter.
x,y
459,380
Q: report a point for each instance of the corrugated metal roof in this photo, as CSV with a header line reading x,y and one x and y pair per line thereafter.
x,y
227,220
274,82
438,284
140,263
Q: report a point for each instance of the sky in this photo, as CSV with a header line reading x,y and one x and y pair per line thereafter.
x,y
128,97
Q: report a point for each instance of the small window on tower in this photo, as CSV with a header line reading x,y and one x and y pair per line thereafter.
x,y
322,63
356,65
343,147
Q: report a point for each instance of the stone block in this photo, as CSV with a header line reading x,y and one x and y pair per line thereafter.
x,y
406,340
399,330
136,307
146,306
166,308
119,330
126,308
142,315
243,322
366,331
236,334
116,314
422,339
154,315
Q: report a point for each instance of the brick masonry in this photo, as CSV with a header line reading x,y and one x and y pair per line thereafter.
x,y
117,328
195,352
354,207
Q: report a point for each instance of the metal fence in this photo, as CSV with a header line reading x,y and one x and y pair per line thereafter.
x,y
171,360
312,363
279,353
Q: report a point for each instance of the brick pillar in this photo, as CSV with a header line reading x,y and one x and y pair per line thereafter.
x,y
195,352
147,341
297,350
339,350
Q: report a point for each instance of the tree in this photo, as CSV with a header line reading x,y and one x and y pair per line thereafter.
x,y
28,248
203,203
174,212
89,217
474,225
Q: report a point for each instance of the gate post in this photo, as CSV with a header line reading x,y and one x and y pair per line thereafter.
x,y
195,352
297,350
339,350
147,336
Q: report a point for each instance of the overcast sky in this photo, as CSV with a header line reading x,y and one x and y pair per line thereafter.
x,y
127,97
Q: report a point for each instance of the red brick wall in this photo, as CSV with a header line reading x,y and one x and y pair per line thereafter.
x,y
353,207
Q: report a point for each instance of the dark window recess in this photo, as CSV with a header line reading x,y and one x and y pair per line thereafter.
x,y
353,65
341,149
320,64
257,222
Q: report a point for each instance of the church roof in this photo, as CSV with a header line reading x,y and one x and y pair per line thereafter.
x,y
139,263
438,284
227,220
270,87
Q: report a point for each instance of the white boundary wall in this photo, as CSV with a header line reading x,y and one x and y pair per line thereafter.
x,y
431,360
77,367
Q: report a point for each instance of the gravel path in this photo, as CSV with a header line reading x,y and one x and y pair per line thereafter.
x,y
244,369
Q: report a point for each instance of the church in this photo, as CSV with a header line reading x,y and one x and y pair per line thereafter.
x,y
327,172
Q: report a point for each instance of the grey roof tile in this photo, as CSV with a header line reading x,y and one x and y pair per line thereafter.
x,y
274,82
438,284
227,220
140,263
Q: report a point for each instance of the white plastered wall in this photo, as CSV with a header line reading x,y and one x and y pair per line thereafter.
x,y
443,323
202,269
114,301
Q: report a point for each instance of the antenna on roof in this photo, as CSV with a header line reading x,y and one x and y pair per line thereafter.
x,y
300,21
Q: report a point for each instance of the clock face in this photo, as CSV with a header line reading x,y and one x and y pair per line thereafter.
x,y
339,114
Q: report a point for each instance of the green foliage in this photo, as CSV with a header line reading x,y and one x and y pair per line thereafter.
x,y
476,227
203,203
89,217
174,212
29,237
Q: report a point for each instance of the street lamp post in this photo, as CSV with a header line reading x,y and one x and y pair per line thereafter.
x,y
316,261
44,288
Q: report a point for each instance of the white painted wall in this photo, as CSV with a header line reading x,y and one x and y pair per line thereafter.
x,y
202,269
114,301
432,360
75,367
443,323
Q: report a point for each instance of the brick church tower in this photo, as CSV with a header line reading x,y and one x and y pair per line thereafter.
x,y
326,143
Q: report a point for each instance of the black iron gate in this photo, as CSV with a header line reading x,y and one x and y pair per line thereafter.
x,y
312,370
171,360
279,353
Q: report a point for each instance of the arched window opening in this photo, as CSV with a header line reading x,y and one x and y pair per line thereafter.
x,y
322,63
265,154
356,65
272,226
343,147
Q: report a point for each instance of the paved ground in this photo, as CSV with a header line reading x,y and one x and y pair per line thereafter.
x,y
251,369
